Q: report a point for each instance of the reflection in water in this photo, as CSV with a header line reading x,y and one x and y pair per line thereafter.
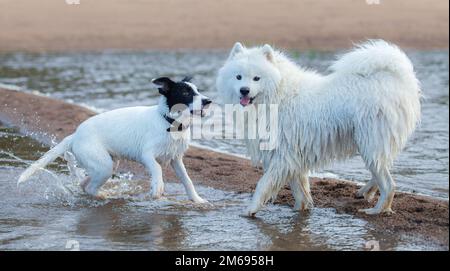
x,y
34,221
46,213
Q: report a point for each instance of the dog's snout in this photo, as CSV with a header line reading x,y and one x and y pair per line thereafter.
x,y
245,91
206,102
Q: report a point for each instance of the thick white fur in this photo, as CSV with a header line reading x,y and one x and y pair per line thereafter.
x,y
369,104
137,133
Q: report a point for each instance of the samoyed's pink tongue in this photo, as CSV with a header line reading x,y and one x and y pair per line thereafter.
x,y
245,101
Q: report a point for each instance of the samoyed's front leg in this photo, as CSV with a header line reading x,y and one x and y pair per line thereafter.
x,y
180,171
302,193
265,190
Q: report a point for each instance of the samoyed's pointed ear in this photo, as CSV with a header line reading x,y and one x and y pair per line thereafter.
x,y
164,84
237,48
268,52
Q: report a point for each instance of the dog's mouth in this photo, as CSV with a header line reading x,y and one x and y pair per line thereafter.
x,y
246,100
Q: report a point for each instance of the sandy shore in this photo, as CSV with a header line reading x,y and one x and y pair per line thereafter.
x,y
415,215
52,25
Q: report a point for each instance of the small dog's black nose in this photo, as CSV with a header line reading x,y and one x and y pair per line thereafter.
x,y
245,91
206,102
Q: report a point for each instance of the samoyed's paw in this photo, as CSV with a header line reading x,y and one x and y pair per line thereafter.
x,y
251,211
367,192
157,191
376,211
304,205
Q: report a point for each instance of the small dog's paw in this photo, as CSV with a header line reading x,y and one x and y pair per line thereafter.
x,y
101,196
84,183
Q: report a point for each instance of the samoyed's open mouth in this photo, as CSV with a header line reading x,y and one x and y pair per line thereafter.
x,y
246,100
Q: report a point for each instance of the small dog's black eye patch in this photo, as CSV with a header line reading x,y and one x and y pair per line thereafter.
x,y
180,93
176,93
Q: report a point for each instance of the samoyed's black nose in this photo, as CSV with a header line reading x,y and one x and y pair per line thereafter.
x,y
245,91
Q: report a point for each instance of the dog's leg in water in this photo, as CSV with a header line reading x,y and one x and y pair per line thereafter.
x,y
387,190
84,183
368,191
97,179
268,186
156,172
98,165
180,170
301,192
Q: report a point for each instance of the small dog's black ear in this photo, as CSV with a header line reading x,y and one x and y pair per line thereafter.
x,y
164,83
187,79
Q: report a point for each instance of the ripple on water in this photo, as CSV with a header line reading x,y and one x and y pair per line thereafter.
x,y
42,215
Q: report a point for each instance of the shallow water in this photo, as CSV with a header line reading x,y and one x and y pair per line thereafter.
x,y
51,213
113,79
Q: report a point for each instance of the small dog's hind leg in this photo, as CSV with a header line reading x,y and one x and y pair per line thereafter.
x,y
302,193
387,190
180,171
84,183
98,165
96,181
155,171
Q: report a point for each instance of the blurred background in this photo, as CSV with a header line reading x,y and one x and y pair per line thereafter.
x,y
55,25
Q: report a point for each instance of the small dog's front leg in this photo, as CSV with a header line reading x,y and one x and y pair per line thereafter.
x,y
157,187
180,171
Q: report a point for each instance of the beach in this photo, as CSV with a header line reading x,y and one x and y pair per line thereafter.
x,y
53,25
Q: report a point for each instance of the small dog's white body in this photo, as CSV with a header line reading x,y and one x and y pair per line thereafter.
x,y
137,133
368,105
133,132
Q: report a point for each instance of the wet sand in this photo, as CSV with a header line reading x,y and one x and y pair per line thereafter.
x,y
52,25
416,216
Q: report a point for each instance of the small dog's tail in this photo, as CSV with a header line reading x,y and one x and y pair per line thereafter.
x,y
48,157
375,56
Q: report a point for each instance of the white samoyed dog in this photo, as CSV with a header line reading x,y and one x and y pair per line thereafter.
x,y
367,105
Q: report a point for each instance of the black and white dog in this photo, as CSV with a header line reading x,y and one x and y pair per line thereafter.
x,y
143,134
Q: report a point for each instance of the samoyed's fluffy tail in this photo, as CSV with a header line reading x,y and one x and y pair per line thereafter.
x,y
49,157
387,73
375,56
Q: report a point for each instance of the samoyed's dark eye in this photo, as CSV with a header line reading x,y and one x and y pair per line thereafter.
x,y
256,78
239,77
